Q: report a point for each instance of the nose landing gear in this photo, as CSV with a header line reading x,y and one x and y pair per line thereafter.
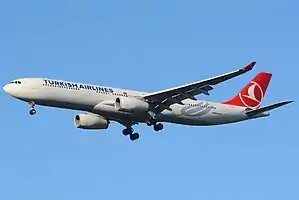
x,y
32,111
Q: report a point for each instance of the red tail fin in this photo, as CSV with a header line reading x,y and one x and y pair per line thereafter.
x,y
252,95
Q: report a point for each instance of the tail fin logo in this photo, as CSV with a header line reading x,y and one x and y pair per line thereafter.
x,y
254,96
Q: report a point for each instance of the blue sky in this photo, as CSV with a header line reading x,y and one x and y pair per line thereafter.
x,y
149,45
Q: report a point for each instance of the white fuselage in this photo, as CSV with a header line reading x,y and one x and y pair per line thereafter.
x,y
100,100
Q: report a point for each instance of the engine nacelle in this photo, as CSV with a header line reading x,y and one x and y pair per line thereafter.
x,y
89,121
127,104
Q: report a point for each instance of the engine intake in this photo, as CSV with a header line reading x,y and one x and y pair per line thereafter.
x,y
127,104
89,121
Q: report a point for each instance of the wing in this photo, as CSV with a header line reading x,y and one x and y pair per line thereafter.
x,y
163,99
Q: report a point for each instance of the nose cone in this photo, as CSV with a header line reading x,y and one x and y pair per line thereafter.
x,y
16,90
10,89
6,88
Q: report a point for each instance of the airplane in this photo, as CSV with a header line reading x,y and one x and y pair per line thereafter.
x,y
102,105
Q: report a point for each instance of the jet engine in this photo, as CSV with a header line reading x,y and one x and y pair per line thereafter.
x,y
90,121
127,104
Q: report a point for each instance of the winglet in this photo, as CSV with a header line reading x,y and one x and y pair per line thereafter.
x,y
249,66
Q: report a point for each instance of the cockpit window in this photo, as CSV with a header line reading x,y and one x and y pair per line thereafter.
x,y
16,82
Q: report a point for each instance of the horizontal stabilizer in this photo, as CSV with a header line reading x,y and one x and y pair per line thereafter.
x,y
267,108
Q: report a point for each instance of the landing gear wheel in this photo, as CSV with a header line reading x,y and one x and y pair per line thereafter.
x,y
134,136
127,131
32,112
158,127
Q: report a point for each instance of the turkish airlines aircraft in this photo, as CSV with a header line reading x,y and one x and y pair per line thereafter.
x,y
176,105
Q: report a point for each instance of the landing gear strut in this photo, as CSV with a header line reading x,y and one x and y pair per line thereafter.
x,y
129,131
32,111
151,121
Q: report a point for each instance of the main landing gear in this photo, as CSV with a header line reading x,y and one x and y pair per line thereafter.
x,y
32,111
153,122
129,131
158,127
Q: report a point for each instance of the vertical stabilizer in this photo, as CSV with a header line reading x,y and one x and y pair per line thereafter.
x,y
252,95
